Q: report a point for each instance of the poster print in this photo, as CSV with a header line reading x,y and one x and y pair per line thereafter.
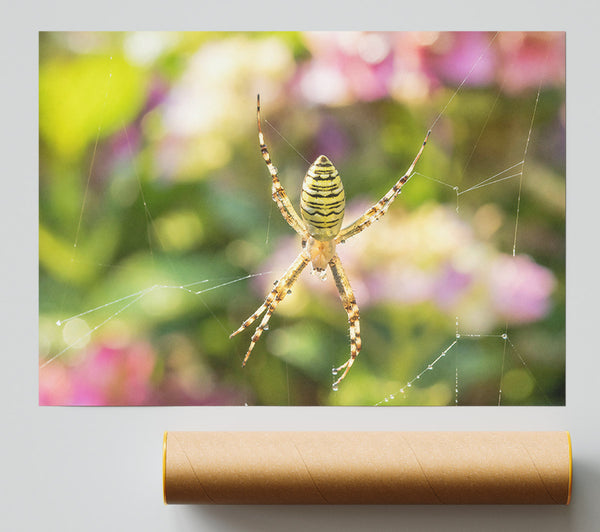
x,y
159,236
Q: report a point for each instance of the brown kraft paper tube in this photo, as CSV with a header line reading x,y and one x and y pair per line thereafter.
x,y
367,467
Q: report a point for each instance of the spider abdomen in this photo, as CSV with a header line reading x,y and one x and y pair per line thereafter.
x,y
322,201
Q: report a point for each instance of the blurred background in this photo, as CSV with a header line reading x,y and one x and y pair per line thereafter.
x,y
151,179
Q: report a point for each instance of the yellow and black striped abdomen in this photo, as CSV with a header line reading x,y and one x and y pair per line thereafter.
x,y
323,201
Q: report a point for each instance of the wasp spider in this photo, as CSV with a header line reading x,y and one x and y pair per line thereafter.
x,y
320,225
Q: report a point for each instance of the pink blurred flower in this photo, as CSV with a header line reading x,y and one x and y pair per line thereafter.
x,y
461,56
350,66
54,385
528,59
520,289
124,376
347,66
516,61
451,285
107,376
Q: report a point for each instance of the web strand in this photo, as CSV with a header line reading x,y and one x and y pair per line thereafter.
x,y
287,141
89,178
130,299
537,98
468,75
93,159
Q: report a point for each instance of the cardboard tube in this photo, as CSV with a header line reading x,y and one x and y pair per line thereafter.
x,y
367,467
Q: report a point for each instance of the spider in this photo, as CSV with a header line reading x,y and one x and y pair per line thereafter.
x,y
322,206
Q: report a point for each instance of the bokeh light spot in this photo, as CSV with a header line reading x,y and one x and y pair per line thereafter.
x,y
76,333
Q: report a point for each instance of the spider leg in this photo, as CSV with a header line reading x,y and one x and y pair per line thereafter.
x,y
276,295
278,192
381,207
349,302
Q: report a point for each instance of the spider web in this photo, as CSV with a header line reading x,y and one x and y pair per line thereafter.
x,y
508,348
80,327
